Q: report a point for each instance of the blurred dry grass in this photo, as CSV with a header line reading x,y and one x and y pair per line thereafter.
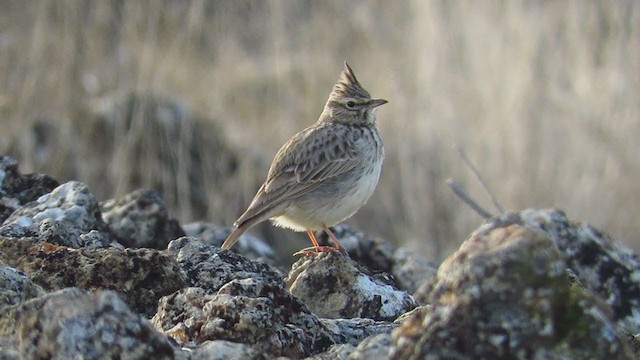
x,y
544,97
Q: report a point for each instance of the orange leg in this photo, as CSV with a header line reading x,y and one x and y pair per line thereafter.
x,y
333,238
316,248
312,236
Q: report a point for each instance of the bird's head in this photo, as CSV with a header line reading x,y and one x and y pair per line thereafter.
x,y
349,102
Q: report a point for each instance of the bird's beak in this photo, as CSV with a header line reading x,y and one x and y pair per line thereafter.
x,y
373,103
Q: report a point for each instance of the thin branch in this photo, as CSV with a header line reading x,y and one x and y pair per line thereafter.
x,y
462,194
475,171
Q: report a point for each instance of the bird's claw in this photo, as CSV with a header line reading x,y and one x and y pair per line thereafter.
x,y
315,250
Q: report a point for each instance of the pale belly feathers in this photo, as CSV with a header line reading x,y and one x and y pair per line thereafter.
x,y
304,214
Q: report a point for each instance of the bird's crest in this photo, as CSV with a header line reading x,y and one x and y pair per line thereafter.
x,y
348,86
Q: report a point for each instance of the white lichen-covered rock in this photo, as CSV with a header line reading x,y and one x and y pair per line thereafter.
x,y
606,268
505,294
530,284
333,286
260,315
60,217
209,268
16,287
408,269
72,324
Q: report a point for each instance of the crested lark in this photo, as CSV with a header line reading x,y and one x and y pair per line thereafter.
x,y
324,173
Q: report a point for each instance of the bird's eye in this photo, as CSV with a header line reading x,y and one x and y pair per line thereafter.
x,y
351,104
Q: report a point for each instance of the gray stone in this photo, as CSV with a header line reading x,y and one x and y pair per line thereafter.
x,y
335,352
353,331
411,270
372,252
141,276
333,286
505,294
406,269
9,348
225,350
261,315
375,347
606,268
59,217
140,219
16,287
248,245
17,189
72,324
208,267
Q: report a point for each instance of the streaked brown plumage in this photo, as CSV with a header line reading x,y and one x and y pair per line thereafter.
x,y
324,173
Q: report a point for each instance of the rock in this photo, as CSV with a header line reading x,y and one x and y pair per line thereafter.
x,y
374,253
9,349
333,286
525,285
140,276
353,331
335,352
72,324
634,340
408,269
244,311
411,270
59,217
603,266
225,350
422,294
239,300
505,294
16,287
248,245
209,268
185,305
140,219
375,347
17,189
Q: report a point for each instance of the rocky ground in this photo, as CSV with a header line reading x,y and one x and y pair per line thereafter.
x,y
119,279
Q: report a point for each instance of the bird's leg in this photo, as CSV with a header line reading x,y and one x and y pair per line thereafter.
x,y
334,239
312,236
316,248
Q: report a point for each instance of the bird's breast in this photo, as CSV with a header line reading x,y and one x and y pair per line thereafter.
x,y
333,202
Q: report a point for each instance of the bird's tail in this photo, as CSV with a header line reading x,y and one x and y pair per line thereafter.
x,y
243,224
239,230
233,237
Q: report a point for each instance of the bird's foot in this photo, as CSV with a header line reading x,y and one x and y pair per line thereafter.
x,y
315,250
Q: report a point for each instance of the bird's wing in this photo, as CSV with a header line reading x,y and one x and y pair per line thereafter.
x,y
311,157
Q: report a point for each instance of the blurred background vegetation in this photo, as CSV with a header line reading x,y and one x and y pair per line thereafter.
x,y
193,98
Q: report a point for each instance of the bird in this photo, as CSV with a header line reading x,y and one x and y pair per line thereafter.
x,y
325,173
